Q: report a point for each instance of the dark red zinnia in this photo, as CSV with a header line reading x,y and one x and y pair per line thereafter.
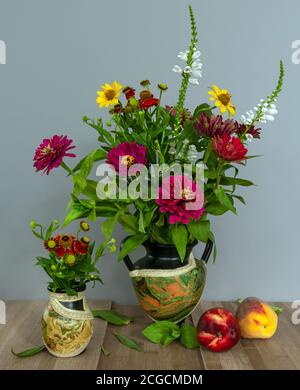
x,y
185,115
51,152
229,148
252,130
215,125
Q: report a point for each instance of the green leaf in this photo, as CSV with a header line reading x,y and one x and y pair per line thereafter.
x,y
131,244
76,212
179,239
215,208
128,342
98,155
202,108
162,332
141,223
79,184
188,336
224,199
108,226
29,352
104,350
240,198
87,164
199,230
226,181
129,223
278,310
112,317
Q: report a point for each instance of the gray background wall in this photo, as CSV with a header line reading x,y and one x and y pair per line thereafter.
x,y
60,52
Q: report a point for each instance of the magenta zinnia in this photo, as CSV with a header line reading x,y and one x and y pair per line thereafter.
x,y
215,125
181,198
126,154
51,152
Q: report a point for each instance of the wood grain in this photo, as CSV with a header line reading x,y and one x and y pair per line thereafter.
x,y
22,331
153,357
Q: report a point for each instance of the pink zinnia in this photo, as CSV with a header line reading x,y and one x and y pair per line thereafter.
x,y
51,152
127,154
181,198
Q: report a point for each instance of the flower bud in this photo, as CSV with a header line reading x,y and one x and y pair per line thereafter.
x,y
113,240
145,94
84,226
70,260
85,240
51,244
163,87
55,222
112,249
133,102
53,267
145,83
33,224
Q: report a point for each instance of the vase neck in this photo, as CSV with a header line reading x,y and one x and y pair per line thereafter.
x,y
167,252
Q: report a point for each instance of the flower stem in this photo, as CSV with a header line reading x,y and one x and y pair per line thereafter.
x,y
66,168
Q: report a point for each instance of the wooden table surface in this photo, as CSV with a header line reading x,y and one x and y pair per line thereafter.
x,y
23,331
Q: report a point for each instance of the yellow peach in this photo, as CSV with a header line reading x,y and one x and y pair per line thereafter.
x,y
256,319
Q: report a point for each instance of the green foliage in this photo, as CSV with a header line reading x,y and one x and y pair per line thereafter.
x,y
131,244
188,336
166,332
128,342
179,239
112,317
29,352
162,332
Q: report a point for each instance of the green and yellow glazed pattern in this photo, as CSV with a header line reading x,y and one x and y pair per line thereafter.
x,y
170,294
66,332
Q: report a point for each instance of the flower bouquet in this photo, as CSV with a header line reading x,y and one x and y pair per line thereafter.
x,y
165,170
67,321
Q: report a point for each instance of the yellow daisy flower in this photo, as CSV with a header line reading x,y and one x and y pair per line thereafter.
x,y
109,94
222,99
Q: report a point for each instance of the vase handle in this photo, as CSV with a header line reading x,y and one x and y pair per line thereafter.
x,y
207,250
127,259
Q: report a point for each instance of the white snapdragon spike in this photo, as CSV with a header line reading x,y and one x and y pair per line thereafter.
x,y
195,71
262,113
177,69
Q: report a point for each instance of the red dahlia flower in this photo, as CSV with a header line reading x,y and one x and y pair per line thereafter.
x,y
127,154
215,125
149,102
181,198
51,152
229,148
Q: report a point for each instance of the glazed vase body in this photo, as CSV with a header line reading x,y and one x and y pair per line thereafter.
x,y
67,324
166,288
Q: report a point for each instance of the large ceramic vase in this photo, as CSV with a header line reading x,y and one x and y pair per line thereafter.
x,y
67,324
166,287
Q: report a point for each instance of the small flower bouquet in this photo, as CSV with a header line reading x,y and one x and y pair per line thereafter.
x,y
70,264
143,133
